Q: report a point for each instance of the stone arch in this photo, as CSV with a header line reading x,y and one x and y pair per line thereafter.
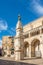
x,y
35,48
26,49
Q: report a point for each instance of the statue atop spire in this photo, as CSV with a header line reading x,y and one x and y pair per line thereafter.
x,y
19,17
19,24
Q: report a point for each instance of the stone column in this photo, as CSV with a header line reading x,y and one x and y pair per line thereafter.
x,y
29,50
41,49
19,41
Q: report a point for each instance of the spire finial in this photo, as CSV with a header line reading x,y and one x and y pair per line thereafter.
x,y
19,24
19,17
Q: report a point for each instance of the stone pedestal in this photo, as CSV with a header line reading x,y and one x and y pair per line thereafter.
x,y
19,55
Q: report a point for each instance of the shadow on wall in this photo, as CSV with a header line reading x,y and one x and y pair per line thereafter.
x,y
6,62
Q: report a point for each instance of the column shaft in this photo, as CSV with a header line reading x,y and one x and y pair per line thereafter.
x,y
29,50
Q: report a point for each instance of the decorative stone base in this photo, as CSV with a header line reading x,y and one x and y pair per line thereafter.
x,y
18,56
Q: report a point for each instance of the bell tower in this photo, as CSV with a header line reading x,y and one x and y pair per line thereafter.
x,y
19,40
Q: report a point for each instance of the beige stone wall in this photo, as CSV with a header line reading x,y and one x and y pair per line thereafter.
x,y
7,44
33,24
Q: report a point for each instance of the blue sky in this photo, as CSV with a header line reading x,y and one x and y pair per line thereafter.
x,y
9,10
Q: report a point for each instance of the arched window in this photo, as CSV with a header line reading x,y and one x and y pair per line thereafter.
x,y
26,49
35,48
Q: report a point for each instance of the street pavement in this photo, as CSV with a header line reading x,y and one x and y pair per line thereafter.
x,y
11,61
6,62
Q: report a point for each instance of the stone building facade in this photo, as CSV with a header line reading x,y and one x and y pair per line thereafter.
x,y
7,46
28,41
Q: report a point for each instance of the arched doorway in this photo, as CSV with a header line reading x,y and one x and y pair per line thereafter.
x,y
26,49
35,48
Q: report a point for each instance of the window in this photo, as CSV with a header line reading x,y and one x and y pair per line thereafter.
x,y
35,33
42,30
12,40
4,53
12,51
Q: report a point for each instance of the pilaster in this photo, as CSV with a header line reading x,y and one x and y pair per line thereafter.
x,y
29,50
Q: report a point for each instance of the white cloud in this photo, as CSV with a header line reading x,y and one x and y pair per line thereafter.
x,y
37,7
3,25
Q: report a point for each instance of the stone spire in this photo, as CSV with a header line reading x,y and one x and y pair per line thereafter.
x,y
19,25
